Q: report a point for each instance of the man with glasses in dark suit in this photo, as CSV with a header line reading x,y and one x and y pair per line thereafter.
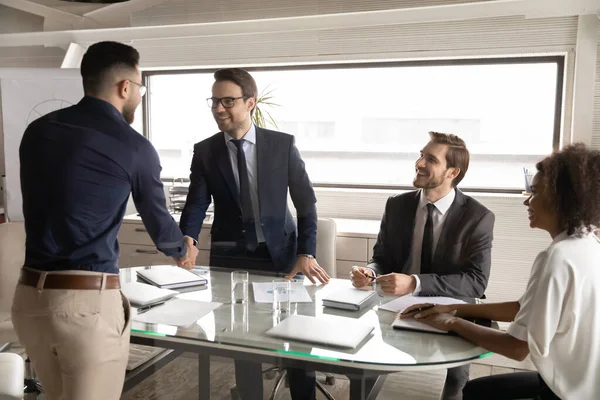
x,y
247,172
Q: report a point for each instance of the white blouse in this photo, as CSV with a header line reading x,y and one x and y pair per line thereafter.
x,y
559,316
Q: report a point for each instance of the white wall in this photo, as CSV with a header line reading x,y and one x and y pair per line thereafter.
x,y
14,21
596,125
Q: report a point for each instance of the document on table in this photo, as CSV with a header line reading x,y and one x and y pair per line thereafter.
x,y
399,304
263,292
178,312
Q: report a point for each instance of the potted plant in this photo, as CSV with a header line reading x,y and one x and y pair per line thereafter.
x,y
261,116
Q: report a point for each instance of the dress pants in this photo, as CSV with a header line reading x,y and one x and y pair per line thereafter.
x,y
248,374
77,340
518,385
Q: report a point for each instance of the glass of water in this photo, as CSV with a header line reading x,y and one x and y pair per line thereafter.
x,y
239,287
239,318
281,296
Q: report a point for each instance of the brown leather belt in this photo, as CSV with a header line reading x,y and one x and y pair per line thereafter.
x,y
65,281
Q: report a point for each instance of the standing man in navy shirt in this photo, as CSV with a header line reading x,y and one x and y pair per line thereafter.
x,y
78,167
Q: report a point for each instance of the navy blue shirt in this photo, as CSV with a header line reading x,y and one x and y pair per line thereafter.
x,y
78,167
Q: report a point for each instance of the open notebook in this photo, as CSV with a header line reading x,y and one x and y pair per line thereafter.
x,y
170,277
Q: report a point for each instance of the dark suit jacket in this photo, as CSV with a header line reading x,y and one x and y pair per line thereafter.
x,y
462,259
279,167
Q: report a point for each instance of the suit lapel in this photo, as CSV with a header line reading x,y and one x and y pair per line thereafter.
x,y
409,229
221,153
262,168
455,214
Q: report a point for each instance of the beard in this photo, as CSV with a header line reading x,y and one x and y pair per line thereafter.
x,y
427,181
129,112
228,125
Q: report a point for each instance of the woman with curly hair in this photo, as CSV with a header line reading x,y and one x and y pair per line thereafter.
x,y
557,320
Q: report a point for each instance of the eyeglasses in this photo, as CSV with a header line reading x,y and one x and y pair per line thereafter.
x,y
142,87
227,102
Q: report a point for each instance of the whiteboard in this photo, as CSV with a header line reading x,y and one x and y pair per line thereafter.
x,y
25,95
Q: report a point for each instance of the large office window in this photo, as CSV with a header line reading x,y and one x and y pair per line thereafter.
x,y
364,125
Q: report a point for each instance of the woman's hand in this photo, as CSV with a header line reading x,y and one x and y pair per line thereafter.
x,y
420,311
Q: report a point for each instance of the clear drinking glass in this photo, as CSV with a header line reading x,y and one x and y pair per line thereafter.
x,y
239,287
281,295
239,317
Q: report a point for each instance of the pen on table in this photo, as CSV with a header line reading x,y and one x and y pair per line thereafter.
x,y
416,310
143,309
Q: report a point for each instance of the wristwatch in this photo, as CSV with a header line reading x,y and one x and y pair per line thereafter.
x,y
306,255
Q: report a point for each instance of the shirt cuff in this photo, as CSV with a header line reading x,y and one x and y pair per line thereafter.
x,y
195,241
417,285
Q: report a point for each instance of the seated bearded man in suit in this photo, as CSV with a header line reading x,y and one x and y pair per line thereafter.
x,y
435,241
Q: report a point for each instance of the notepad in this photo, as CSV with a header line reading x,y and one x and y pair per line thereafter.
x,y
403,302
400,303
141,294
411,324
328,330
349,299
170,277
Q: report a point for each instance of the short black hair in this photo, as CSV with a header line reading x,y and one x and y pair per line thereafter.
x,y
102,57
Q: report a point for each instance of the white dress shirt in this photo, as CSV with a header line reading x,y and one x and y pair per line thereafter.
x,y
559,316
249,147
440,212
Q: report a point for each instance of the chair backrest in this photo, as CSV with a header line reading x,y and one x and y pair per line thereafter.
x,y
326,233
12,256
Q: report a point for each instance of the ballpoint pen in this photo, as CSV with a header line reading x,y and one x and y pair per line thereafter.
x,y
143,309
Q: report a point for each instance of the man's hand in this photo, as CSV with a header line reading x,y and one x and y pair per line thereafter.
x,y
310,268
397,284
361,276
189,260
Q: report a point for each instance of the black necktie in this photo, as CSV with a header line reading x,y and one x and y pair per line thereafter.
x,y
427,246
249,228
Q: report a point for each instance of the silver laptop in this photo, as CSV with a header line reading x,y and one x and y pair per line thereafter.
x,y
141,294
328,330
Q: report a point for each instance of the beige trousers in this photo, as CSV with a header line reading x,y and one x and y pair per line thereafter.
x,y
77,340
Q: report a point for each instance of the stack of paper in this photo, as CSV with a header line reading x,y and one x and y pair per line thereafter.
x,y
178,312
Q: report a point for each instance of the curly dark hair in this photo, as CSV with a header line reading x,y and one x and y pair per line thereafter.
x,y
572,178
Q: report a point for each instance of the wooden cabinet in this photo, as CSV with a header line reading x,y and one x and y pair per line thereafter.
x,y
137,248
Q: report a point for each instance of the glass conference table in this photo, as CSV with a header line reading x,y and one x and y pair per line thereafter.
x,y
385,350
